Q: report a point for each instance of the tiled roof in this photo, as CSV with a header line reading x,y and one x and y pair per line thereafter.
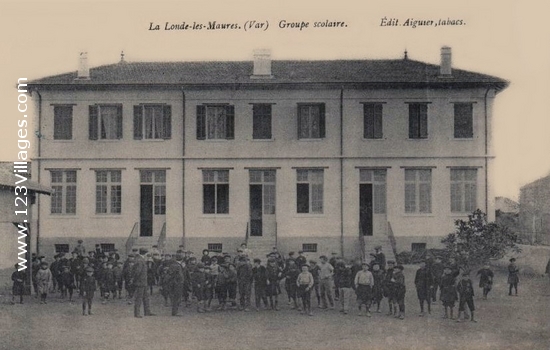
x,y
402,71
8,180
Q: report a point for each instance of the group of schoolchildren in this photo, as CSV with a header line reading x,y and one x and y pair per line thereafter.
x,y
182,278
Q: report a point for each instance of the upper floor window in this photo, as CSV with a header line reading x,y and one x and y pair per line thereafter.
x,y
463,120
418,120
261,121
309,191
215,122
372,121
418,190
63,197
463,190
311,121
62,122
108,192
152,122
105,122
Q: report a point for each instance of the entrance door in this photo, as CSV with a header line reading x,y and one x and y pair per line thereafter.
x,y
146,211
262,203
365,209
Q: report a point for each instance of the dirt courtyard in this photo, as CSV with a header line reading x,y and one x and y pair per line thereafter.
x,y
504,322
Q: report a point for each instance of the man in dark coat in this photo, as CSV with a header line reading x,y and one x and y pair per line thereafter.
x,y
175,277
139,281
423,282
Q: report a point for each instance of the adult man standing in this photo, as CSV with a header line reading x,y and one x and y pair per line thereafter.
x,y
139,281
175,281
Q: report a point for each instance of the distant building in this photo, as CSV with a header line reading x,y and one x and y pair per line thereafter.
x,y
319,156
534,212
507,214
506,205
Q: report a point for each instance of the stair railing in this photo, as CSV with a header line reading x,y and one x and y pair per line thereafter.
x,y
391,237
247,234
162,239
362,242
132,238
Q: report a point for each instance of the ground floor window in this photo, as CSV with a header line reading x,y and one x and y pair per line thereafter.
x,y
215,191
61,248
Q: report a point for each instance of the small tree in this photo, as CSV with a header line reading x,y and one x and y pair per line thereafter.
x,y
476,240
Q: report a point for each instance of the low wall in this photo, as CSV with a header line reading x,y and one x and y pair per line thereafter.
x,y
531,260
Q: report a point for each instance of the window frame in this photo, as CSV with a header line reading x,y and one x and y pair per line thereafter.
x,y
322,121
59,121
111,188
418,182
418,116
62,248
374,111
156,178
469,123
310,182
215,247
467,187
95,119
259,116
140,127
64,192
220,192
310,247
203,124
379,188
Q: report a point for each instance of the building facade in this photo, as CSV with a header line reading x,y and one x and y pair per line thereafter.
x,y
534,211
321,156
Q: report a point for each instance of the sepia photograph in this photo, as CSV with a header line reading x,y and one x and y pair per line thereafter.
x,y
274,175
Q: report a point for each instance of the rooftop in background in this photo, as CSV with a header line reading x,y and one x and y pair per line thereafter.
x,y
506,205
8,179
367,72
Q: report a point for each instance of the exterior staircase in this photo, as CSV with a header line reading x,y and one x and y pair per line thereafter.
x,y
135,241
387,242
260,246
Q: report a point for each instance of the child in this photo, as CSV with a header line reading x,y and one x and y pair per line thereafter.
x,y
304,282
485,280
378,286
87,290
314,270
389,288
259,278
513,277
43,281
221,286
109,282
345,279
399,281
448,291
150,275
205,259
67,283
198,283
423,281
209,287
364,282
127,275
291,274
244,282
18,289
273,273
325,280
466,292
117,272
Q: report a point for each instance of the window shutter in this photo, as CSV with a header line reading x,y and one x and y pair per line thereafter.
x,y
368,121
230,122
167,122
413,121
138,122
92,126
377,132
119,122
423,121
322,121
201,122
299,120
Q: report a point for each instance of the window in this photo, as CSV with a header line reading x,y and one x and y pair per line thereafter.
x,y
108,192
152,122
463,121
61,248
63,197
215,190
372,121
309,191
463,190
158,179
266,178
418,190
261,122
418,120
215,122
311,121
309,247
377,177
62,122
107,247
418,247
105,122
215,247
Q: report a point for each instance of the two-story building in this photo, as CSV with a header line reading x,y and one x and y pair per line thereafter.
x,y
321,156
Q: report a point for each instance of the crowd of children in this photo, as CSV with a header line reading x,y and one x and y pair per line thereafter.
x,y
215,281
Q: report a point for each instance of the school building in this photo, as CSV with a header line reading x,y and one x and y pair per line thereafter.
x,y
323,156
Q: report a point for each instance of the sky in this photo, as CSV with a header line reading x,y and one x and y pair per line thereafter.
x,y
500,38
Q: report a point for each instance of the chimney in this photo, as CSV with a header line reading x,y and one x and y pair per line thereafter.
x,y
262,63
83,69
446,61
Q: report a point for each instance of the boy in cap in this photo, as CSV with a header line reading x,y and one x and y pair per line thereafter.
x,y
325,282
301,259
448,291
259,278
117,272
291,274
378,285
109,282
466,296
127,276
513,276
43,281
345,279
423,282
485,280
67,283
305,282
399,282
244,281
87,290
389,288
18,288
198,284
314,270
364,281
437,273
273,274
